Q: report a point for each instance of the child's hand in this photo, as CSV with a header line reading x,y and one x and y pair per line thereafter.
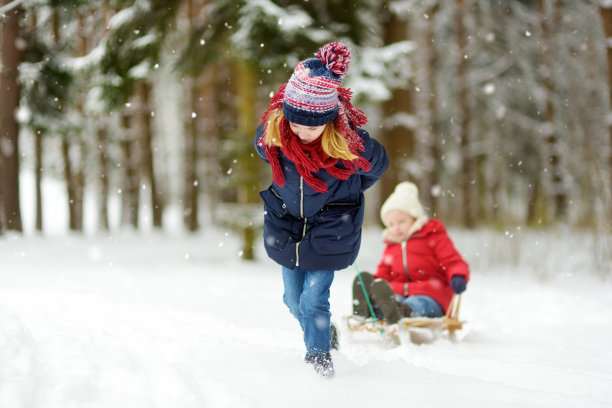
x,y
458,284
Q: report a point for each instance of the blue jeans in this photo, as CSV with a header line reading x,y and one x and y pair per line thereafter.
x,y
422,305
307,297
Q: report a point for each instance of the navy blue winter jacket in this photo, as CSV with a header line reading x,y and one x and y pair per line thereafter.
x,y
318,231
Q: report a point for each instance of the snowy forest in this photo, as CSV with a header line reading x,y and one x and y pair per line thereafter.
x,y
132,269
498,110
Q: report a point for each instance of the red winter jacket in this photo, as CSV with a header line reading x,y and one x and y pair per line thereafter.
x,y
424,264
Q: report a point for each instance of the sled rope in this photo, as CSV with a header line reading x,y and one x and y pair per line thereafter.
x,y
365,292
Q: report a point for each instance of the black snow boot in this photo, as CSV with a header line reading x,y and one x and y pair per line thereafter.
x,y
324,366
322,363
384,297
333,340
360,303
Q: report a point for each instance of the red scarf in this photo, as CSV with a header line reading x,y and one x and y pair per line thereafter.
x,y
310,158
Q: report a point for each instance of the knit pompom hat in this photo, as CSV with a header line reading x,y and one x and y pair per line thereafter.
x,y
315,98
405,198
311,94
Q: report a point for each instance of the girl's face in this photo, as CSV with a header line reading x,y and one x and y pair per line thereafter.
x,y
398,224
307,134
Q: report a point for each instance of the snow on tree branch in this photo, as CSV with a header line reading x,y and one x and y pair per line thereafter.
x,y
8,7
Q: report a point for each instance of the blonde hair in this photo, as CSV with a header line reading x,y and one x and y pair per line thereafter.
x,y
332,142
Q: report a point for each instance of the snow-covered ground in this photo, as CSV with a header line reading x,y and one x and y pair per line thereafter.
x,y
173,320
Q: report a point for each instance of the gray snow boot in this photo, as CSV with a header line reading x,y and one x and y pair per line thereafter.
x,y
360,303
384,297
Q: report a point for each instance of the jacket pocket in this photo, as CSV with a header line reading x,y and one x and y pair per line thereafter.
x,y
279,226
336,228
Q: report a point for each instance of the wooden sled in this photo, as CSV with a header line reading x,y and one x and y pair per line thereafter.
x,y
449,322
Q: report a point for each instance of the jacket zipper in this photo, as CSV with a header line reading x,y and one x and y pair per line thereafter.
x,y
297,245
405,263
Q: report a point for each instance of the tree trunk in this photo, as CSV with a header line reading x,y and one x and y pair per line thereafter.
x,y
148,160
131,191
80,183
80,144
74,185
192,190
428,146
38,172
103,142
75,179
549,22
396,135
211,147
2,222
606,16
248,179
68,178
435,187
11,56
462,120
103,168
191,193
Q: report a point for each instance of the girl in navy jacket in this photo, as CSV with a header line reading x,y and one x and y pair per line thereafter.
x,y
321,161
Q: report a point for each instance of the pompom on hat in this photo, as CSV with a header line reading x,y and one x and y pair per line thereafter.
x,y
311,94
405,198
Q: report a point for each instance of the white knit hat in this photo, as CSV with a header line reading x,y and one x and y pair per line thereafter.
x,y
405,198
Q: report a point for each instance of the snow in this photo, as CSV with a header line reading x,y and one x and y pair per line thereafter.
x,y
124,16
290,20
375,69
149,319
169,319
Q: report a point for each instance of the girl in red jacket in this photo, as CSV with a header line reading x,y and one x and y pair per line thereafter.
x,y
420,267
